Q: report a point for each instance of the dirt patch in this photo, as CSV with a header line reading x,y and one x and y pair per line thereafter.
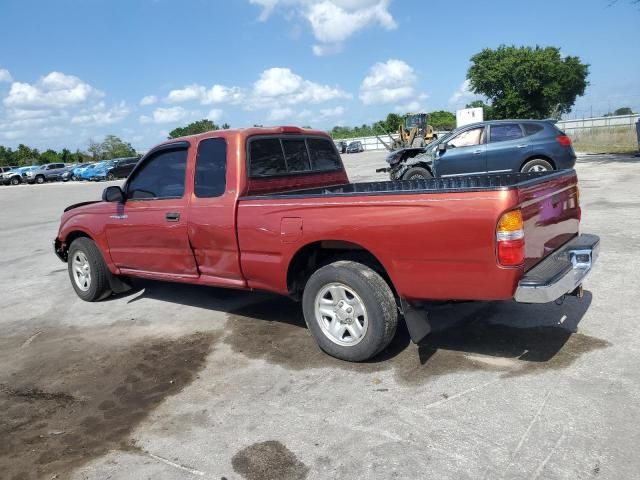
x,y
269,460
74,399
274,330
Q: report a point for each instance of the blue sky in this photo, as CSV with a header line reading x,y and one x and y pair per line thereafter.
x,y
71,70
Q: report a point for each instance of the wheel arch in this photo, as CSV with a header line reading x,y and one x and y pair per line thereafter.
x,y
538,157
317,254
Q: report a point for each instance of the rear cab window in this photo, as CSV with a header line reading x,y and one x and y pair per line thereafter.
x,y
531,128
291,155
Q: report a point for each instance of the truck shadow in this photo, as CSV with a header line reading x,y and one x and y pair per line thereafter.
x,y
506,337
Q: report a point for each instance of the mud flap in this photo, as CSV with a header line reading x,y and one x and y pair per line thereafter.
x,y
417,321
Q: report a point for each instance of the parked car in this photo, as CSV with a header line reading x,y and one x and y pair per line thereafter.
x,y
46,173
122,167
341,145
67,173
89,172
272,209
77,171
498,146
24,172
10,176
355,147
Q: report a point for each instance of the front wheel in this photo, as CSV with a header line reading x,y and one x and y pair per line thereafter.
x,y
15,181
350,310
111,177
417,173
536,165
88,273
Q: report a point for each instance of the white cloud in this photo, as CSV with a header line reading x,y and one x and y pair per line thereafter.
x,y
462,94
216,94
5,76
320,50
165,115
332,112
388,82
55,90
102,116
148,100
333,21
215,114
413,106
278,114
277,86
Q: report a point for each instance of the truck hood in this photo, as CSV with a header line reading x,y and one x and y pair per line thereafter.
x,y
81,204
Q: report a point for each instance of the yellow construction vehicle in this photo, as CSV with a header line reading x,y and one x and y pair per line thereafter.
x,y
415,131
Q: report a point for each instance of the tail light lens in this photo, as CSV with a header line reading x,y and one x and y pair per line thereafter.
x,y
564,140
510,239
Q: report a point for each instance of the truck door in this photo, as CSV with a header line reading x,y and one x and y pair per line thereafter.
x,y
212,216
148,233
507,149
466,154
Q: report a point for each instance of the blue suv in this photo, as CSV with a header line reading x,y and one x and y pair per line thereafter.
x,y
499,146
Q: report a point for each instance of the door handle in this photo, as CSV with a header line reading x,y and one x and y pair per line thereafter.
x,y
477,152
172,216
522,146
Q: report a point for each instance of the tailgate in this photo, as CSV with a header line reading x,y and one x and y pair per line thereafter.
x,y
551,214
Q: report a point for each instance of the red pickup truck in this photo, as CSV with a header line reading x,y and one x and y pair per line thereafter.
x,y
272,209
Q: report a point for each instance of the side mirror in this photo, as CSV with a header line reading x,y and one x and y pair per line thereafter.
x,y
442,147
113,194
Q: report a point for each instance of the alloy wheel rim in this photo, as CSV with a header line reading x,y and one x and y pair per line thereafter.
x,y
341,314
81,271
538,168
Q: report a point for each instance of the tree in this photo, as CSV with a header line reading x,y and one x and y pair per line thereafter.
x,y
623,111
526,82
442,120
94,149
49,156
200,126
114,147
487,110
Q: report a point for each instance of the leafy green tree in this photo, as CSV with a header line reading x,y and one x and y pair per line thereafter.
x,y
526,82
25,155
49,156
114,147
200,126
488,111
442,120
623,111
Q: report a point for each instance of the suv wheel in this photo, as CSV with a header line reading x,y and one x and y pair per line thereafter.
x,y
40,179
417,173
15,181
350,310
536,165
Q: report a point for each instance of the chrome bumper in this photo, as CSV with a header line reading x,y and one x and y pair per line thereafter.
x,y
561,272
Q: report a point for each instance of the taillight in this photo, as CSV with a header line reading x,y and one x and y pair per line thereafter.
x,y
564,140
510,239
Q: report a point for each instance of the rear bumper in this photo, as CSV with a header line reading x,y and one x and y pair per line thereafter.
x,y
561,272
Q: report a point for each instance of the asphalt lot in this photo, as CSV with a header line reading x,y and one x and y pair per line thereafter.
x,y
174,381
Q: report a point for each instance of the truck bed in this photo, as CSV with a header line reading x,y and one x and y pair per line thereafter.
x,y
467,183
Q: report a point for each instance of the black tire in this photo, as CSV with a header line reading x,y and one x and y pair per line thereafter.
x,y
15,181
417,173
40,179
536,165
99,283
378,301
111,177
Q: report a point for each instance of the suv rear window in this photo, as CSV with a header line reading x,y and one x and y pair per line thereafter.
x,y
531,128
505,131
278,156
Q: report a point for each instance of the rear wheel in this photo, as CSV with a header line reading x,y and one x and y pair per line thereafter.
x,y
15,181
350,310
88,273
536,165
417,173
40,179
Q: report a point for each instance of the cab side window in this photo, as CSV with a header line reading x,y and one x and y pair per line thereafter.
x,y
161,176
211,168
505,131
